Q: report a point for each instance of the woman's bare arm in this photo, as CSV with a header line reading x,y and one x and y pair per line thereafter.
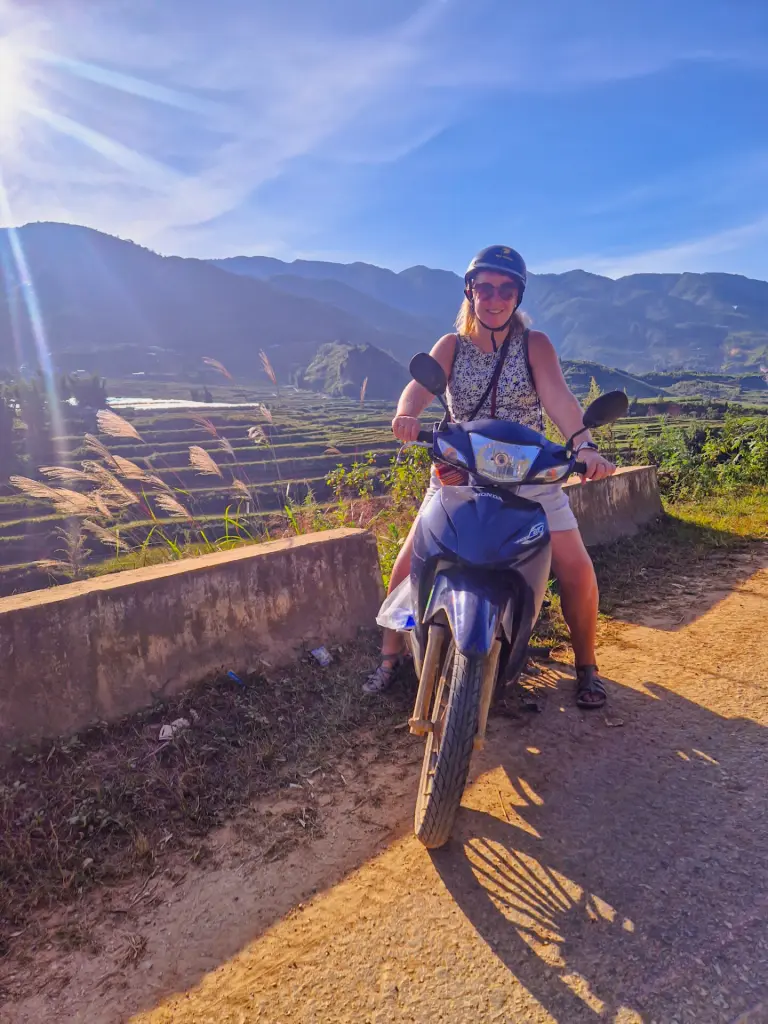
x,y
415,399
559,402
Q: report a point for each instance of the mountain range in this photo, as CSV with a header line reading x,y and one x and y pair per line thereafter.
x,y
111,306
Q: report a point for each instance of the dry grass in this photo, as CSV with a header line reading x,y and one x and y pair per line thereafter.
x,y
113,802
116,426
267,366
692,538
219,367
172,506
200,460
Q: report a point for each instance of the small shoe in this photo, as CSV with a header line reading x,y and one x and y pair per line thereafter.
x,y
383,676
590,692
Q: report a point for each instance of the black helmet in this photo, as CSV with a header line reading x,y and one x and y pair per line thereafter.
x,y
502,260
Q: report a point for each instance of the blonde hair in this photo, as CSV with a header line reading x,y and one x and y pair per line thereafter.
x,y
466,320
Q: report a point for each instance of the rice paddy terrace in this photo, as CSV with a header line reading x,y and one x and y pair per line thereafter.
x,y
300,438
280,446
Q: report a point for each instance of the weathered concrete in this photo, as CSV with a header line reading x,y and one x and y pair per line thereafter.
x,y
92,651
617,507
86,652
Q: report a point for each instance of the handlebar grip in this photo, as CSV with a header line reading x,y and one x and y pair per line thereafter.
x,y
580,468
425,435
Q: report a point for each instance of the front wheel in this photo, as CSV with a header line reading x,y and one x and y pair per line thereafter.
x,y
449,747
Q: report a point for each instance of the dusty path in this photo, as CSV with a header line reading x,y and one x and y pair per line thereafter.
x,y
605,867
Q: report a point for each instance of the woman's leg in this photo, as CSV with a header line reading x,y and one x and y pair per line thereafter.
x,y
575,573
392,641
578,592
392,644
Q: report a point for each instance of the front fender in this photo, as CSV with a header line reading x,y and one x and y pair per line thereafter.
x,y
473,610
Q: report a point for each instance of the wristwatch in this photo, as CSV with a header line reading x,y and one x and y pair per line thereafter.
x,y
587,444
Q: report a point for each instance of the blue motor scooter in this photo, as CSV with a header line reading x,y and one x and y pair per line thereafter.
x,y
481,561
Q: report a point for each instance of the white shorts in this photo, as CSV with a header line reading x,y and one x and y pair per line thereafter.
x,y
551,497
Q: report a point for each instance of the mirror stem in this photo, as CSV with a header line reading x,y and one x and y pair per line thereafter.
x,y
446,412
569,445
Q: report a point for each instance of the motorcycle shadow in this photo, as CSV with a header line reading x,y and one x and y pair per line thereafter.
x,y
619,873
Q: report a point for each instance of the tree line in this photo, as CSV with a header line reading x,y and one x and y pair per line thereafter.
x,y
26,418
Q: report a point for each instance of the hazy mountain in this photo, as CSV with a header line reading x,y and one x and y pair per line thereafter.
x,y
388,319
653,321
100,297
640,322
108,305
418,290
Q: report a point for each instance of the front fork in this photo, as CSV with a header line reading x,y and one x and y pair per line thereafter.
x,y
420,723
490,671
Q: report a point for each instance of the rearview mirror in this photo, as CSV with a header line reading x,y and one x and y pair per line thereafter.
x,y
426,371
606,409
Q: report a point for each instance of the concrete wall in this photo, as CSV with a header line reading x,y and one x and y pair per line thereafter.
x,y
91,651
617,507
84,652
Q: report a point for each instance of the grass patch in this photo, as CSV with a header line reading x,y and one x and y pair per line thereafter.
x,y
691,538
100,807
726,518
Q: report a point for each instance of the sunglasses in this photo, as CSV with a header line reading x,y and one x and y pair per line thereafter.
x,y
485,291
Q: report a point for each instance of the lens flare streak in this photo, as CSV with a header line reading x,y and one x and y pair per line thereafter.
x,y
37,326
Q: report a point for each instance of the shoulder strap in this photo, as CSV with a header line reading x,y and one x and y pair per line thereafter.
x,y
493,383
527,353
456,344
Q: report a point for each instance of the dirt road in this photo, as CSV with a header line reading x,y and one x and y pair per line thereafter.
x,y
605,867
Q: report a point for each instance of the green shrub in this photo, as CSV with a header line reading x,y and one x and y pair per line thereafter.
x,y
694,462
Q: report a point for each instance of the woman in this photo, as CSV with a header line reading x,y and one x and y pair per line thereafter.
x,y
530,381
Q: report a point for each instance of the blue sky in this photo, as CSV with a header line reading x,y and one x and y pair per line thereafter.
x,y
614,136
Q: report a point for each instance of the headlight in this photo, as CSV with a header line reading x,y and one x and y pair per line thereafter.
x,y
449,452
551,474
502,463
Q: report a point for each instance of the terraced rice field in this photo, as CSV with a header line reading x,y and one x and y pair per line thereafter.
x,y
295,460
300,428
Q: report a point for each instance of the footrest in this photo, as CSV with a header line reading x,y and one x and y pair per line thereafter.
x,y
419,726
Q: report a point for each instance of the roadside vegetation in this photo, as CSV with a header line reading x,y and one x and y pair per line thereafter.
x,y
153,486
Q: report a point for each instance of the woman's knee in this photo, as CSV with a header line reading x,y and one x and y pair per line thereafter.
x,y
571,563
402,565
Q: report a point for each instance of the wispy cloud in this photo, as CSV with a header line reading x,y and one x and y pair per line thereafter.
x,y
176,129
714,181
695,255
548,48
264,96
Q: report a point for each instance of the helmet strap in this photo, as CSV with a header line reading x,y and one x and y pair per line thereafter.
x,y
506,326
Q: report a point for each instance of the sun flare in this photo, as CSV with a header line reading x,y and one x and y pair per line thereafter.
x,y
13,86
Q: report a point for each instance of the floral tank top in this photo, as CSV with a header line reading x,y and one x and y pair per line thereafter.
x,y
516,397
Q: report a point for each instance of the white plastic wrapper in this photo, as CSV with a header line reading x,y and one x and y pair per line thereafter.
x,y
397,610
168,732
